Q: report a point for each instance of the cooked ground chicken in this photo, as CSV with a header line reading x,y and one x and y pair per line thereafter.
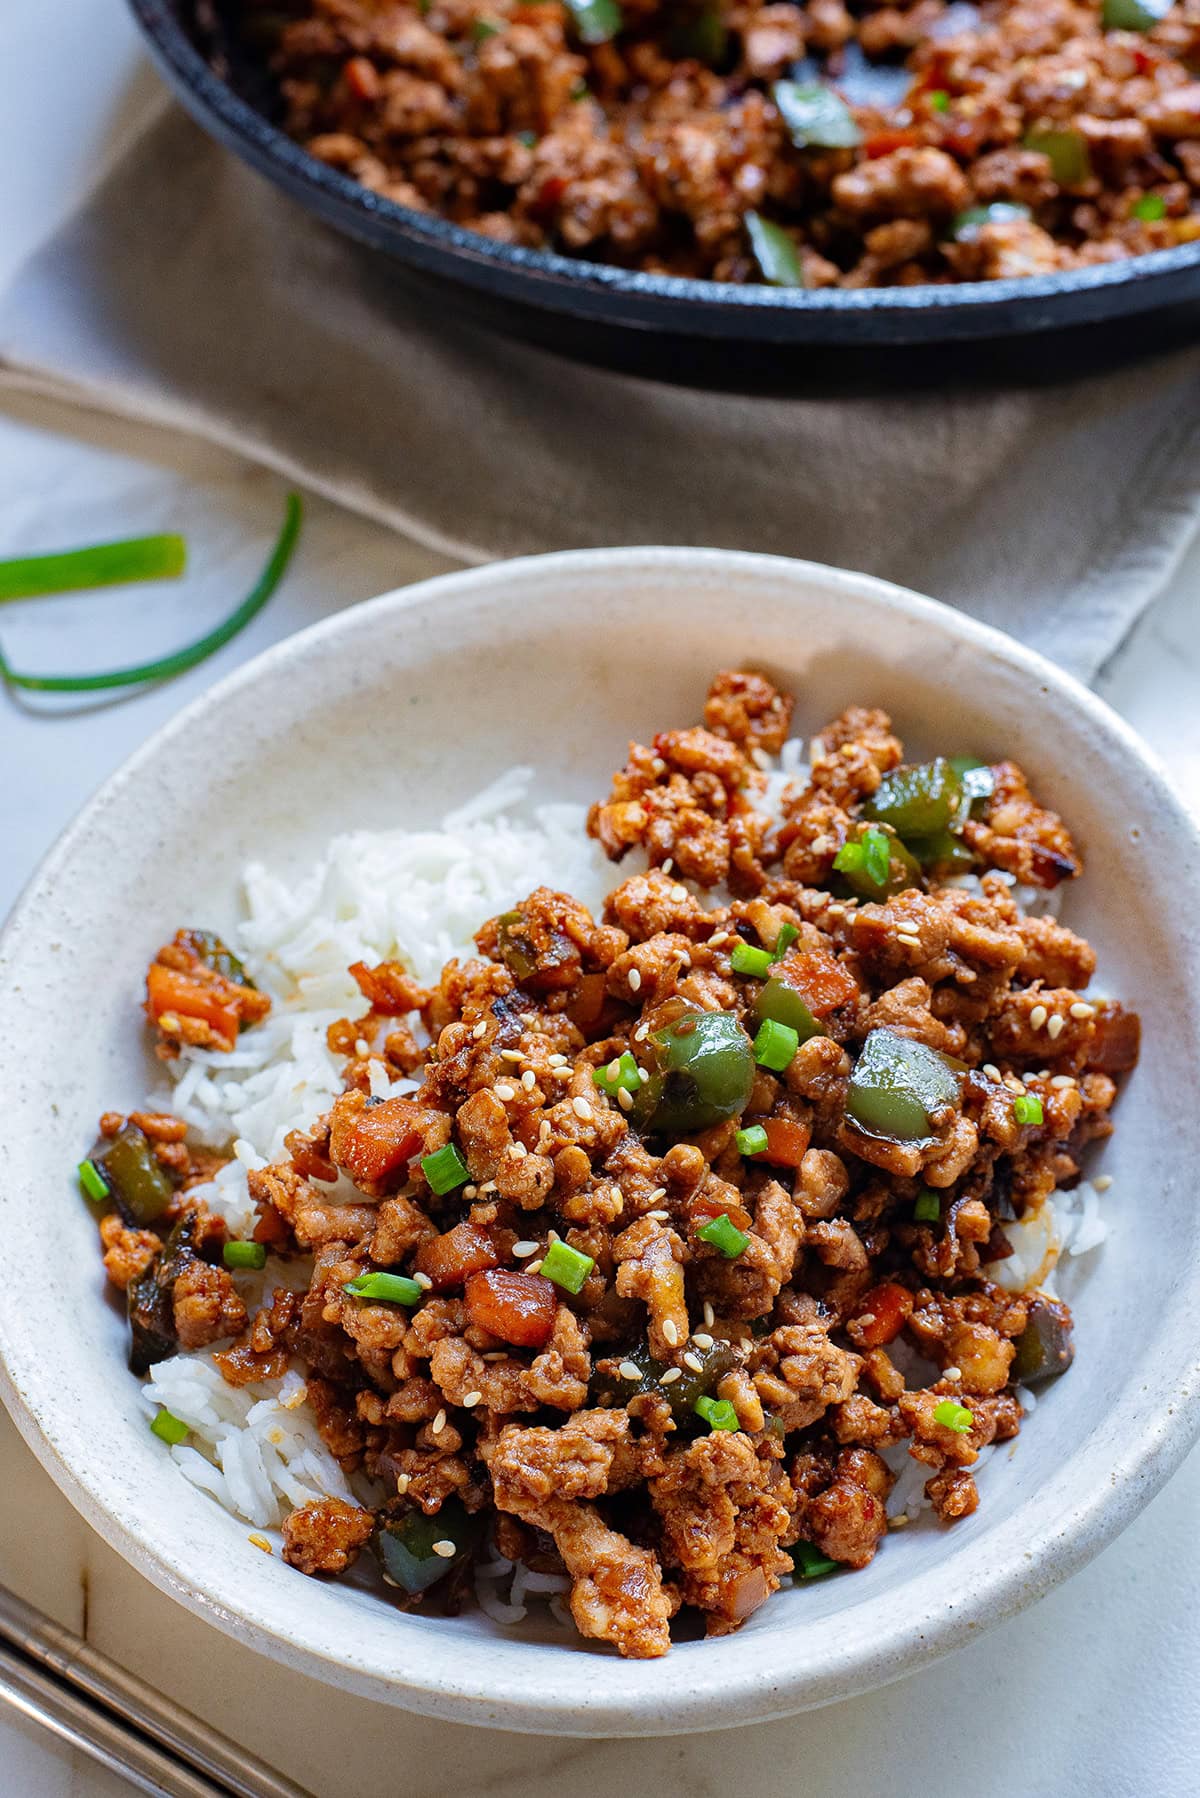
x,y
695,1209
930,140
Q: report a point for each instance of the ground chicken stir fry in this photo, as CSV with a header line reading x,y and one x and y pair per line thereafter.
x,y
814,145
691,1219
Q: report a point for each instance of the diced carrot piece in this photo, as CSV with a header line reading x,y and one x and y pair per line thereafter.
x,y
170,993
449,1259
822,982
888,1306
381,1139
787,1142
703,1208
882,143
361,78
518,1308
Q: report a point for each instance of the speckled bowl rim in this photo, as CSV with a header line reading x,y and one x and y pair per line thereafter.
x,y
606,1696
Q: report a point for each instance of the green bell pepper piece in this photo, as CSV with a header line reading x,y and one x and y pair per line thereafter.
x,y
680,1394
405,1548
1070,161
776,1000
816,117
703,1071
774,251
917,801
1045,1347
134,1175
897,1085
1134,15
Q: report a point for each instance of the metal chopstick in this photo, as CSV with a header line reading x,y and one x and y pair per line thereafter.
x,y
55,1679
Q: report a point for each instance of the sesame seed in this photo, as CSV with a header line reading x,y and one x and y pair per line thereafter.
x,y
529,1080
582,1109
479,1031
495,1355
1081,1009
659,1216
1102,1182
402,1481
534,1267
670,861
629,1370
694,1362
660,1192
1013,1084
522,1249
423,1281
658,766
717,938
672,1374
702,1340
517,1055
680,894
906,937
670,1331
1062,1081
1055,1028
470,1192
613,1070
439,1422
991,1070
643,1076
518,1151
362,1048
899,1521
472,1399
445,1548
1038,1016
641,1033
635,981
710,1316
624,1098
261,1542
504,1091
952,1373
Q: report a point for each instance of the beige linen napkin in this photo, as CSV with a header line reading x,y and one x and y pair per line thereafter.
x,y
187,291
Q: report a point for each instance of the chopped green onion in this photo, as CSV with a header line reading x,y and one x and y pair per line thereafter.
x,y
788,934
528,138
809,1562
775,252
1027,1109
596,21
104,565
752,1140
816,118
92,1181
387,1289
723,1234
482,29
244,1254
566,1266
168,1428
627,1078
445,1169
953,1417
928,1208
851,858
939,100
1150,208
182,659
775,1045
717,1413
746,959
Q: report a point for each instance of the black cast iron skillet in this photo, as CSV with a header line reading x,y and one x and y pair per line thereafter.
x,y
1041,328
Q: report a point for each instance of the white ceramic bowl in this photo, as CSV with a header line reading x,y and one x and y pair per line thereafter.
x,y
389,713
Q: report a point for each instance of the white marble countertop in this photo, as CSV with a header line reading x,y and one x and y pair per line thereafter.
x,y
1097,1689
